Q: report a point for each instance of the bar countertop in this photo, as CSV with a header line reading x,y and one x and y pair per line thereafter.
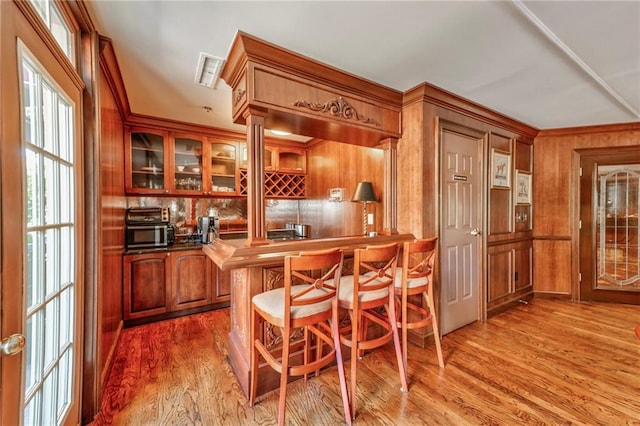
x,y
233,253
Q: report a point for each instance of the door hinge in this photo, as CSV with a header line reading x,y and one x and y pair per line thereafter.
x,y
580,224
579,276
580,171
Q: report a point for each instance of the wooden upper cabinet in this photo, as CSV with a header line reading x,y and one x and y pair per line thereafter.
x,y
186,167
291,160
283,159
146,161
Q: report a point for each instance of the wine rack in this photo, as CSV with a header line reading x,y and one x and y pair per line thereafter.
x,y
278,185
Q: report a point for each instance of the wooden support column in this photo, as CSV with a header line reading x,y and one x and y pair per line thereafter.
x,y
256,231
390,193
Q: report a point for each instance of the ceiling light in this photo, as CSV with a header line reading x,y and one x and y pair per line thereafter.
x,y
208,70
280,132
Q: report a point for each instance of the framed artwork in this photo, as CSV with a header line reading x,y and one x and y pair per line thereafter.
x,y
500,169
523,187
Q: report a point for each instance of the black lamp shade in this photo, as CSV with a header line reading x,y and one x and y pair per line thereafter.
x,y
364,193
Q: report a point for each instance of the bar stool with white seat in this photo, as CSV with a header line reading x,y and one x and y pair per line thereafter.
x,y
362,294
308,302
415,277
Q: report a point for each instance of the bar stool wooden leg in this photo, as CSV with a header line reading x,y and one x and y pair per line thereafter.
x,y
402,366
286,334
434,325
254,358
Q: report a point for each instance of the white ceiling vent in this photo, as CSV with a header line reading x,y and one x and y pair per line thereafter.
x,y
208,70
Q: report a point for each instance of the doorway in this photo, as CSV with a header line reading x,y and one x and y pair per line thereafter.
x,y
610,235
460,225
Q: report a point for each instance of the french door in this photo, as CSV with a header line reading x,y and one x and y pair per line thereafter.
x,y
41,229
610,235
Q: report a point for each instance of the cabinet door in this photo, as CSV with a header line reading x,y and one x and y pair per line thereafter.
x,y
186,168
523,270
223,168
500,271
146,158
223,285
269,155
191,280
146,285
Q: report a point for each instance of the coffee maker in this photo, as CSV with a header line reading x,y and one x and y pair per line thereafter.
x,y
208,228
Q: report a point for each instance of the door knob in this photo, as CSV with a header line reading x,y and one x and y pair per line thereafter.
x,y
12,345
474,232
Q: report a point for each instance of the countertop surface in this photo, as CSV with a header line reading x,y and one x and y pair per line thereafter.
x,y
235,253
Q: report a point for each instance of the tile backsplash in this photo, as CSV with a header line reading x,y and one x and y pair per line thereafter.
x,y
184,211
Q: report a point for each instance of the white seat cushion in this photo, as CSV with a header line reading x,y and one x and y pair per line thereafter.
x,y
272,302
411,283
346,291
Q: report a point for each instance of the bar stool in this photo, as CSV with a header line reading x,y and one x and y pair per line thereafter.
x,y
362,294
414,277
310,304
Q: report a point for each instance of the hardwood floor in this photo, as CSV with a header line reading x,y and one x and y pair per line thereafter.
x,y
548,362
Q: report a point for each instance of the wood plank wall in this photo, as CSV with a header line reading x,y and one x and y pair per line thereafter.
x,y
555,198
341,165
112,226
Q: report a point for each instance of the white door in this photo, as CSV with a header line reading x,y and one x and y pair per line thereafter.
x,y
41,229
460,262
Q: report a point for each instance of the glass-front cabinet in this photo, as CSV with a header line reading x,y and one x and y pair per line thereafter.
x,y
173,163
145,160
223,167
279,159
187,164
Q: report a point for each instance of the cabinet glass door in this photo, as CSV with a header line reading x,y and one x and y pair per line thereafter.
x,y
223,167
187,164
269,163
147,161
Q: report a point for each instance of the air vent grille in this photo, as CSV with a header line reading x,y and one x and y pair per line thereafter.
x,y
208,70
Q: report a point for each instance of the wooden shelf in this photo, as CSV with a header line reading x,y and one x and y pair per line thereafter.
x,y
279,185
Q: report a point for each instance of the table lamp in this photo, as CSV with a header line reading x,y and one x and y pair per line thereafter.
x,y
364,194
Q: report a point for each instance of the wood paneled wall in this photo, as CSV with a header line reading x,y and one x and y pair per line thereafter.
x,y
555,197
418,192
341,165
112,224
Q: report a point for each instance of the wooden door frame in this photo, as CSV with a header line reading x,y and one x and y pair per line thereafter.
x,y
584,220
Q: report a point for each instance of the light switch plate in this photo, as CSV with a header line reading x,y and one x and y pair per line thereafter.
x,y
370,218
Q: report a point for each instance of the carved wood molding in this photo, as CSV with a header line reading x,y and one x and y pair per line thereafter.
x,y
239,94
337,107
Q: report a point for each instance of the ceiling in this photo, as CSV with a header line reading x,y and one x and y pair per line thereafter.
x,y
548,64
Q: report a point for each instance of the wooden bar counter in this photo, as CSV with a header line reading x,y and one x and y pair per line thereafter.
x,y
260,268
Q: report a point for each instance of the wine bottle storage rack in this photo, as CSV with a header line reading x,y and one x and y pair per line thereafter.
x,y
278,185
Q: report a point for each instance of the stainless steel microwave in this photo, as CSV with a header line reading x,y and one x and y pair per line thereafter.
x,y
146,236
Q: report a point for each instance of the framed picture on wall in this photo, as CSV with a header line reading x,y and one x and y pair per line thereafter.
x,y
523,187
500,169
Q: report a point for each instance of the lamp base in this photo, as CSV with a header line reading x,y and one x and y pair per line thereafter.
x,y
364,219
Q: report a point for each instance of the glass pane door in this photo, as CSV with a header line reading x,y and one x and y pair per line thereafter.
x,y
188,164
617,227
49,287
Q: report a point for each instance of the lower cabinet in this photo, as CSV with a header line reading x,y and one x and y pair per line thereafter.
x,y
190,280
169,282
509,270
